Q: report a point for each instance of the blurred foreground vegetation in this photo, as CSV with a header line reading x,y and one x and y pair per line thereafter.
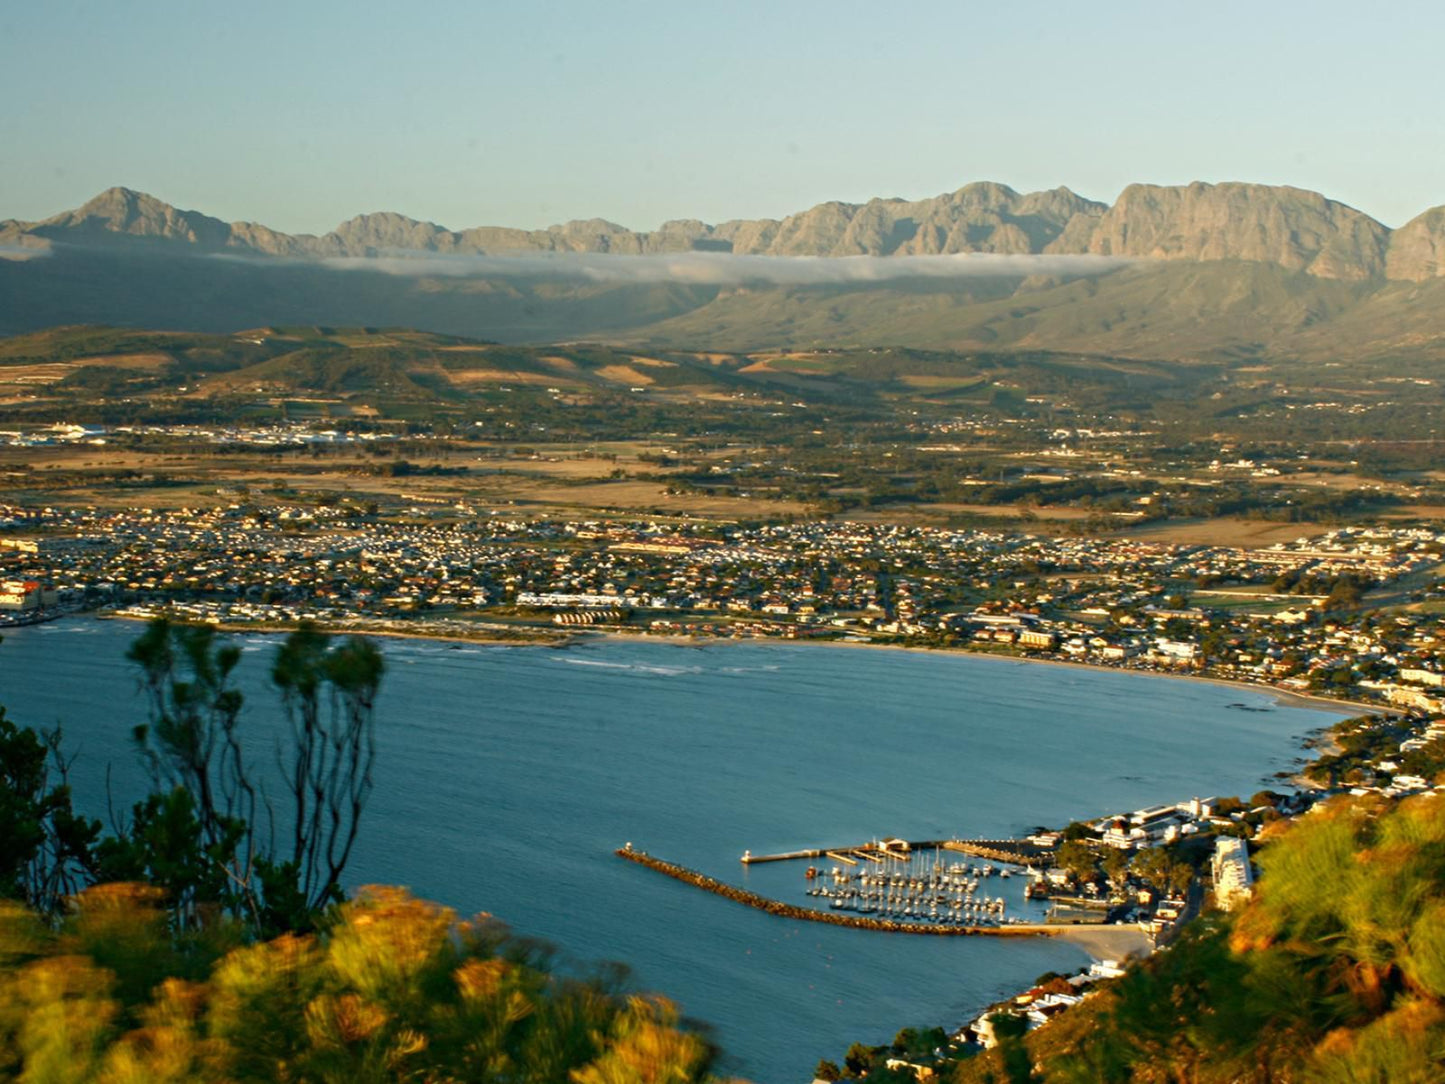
x,y
1334,973
392,989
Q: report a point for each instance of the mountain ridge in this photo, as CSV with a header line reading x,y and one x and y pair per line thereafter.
x,y
1294,228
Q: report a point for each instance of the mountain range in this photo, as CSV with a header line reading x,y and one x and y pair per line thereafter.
x,y
1194,270
1289,227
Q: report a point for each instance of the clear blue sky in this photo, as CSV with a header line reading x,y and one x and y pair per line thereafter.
x,y
301,114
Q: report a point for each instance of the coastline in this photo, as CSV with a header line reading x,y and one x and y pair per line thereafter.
x,y
565,639
1284,698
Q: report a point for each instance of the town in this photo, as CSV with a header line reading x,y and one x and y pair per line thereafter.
x,y
1351,612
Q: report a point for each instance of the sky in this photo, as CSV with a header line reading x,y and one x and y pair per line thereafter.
x,y
300,115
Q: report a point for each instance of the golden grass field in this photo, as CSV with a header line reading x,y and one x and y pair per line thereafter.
x,y
555,481
552,480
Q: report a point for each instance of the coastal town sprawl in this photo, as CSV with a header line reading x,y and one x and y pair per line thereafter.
x,y
1352,611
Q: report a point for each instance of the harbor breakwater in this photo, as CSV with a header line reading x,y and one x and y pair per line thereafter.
x,y
809,914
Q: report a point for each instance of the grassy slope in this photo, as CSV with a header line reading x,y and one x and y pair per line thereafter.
x,y
1170,310
398,362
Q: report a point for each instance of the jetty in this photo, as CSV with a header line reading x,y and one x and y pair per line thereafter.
x,y
875,850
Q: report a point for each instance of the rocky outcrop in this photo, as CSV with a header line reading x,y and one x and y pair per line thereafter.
x,y
122,213
1290,227
1417,249
981,217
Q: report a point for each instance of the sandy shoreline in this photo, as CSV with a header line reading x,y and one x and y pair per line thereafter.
x,y
1284,698
1106,942
440,636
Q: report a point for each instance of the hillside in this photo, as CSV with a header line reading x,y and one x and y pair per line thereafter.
x,y
1182,310
396,989
75,371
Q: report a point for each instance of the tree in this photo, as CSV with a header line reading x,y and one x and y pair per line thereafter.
x,y
1013,1053
859,1059
1344,595
195,833
1155,866
329,694
1116,866
1079,859
198,833
828,1071
919,1042
44,845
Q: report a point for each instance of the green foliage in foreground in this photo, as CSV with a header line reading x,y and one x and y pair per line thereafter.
x,y
394,989
1334,973
198,835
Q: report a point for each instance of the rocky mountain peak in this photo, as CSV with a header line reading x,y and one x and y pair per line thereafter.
x,y
1417,249
127,213
1294,228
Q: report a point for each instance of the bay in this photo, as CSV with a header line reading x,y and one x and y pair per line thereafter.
x,y
507,776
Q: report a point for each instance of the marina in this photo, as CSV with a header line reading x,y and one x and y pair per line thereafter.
x,y
910,881
934,893
906,910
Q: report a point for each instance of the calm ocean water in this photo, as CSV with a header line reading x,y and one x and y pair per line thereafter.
x,y
507,776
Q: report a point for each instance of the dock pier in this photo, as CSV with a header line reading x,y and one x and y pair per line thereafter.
x,y
1016,852
749,858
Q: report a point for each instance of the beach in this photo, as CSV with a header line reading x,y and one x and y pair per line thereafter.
x,y
1281,697
540,636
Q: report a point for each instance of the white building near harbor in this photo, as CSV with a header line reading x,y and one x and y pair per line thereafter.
x,y
20,595
1233,875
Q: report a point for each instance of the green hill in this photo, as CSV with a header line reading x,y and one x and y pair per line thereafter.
x,y
1179,310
